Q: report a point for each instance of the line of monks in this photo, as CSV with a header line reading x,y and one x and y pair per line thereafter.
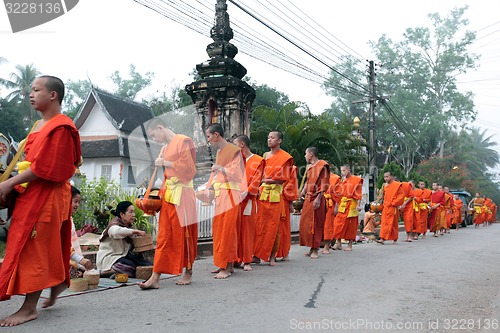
x,y
253,198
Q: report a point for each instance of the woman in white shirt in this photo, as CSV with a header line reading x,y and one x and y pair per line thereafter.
x,y
115,253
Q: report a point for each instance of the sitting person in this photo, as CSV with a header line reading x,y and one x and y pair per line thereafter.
x,y
78,263
372,220
115,253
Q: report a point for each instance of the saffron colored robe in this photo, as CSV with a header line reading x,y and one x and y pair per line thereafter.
x,y
449,210
290,194
312,221
332,196
458,210
277,167
227,214
345,225
35,263
408,211
478,210
437,219
393,198
177,241
422,198
254,167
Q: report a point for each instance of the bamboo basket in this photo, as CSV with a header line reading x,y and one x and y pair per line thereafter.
x,y
143,272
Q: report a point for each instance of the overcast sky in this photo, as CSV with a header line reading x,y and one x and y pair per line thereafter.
x,y
98,37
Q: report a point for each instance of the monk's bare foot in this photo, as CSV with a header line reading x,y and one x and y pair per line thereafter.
x,y
337,246
380,241
185,279
348,248
20,317
308,253
272,262
247,267
54,293
285,258
223,274
215,271
314,254
395,242
325,250
407,240
149,284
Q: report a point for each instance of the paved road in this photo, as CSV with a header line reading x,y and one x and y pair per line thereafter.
x,y
445,284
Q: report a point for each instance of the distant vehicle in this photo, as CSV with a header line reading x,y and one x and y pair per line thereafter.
x,y
466,215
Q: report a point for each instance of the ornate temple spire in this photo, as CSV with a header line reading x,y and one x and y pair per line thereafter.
x,y
221,34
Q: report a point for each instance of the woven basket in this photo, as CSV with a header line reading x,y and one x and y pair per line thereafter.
x,y
92,277
78,284
93,286
143,272
143,243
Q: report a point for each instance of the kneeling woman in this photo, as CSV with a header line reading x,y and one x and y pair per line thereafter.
x,y
115,253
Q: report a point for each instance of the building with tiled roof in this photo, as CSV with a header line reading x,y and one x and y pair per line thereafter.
x,y
106,122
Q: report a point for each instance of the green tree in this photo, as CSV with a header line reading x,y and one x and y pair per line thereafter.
x,y
11,124
76,93
129,88
421,78
20,83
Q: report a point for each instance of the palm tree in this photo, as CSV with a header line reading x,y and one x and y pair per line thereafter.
x,y
20,82
477,151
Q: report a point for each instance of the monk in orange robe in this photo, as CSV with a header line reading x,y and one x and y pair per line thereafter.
x,y
177,240
437,217
488,208
332,196
277,170
39,240
450,209
477,204
254,167
458,211
393,198
345,225
422,198
312,219
408,208
290,194
225,183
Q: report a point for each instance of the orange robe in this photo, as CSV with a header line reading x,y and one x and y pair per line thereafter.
x,y
345,225
436,220
177,241
35,263
489,210
312,221
408,211
290,194
253,169
332,196
458,210
393,198
271,204
450,210
227,214
423,198
478,210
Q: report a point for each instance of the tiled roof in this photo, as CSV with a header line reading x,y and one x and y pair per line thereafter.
x,y
105,148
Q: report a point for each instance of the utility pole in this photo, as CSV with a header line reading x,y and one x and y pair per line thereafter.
x,y
371,130
372,149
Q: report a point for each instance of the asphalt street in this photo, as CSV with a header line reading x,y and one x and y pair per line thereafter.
x,y
445,284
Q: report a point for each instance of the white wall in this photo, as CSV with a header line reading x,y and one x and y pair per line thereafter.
x,y
97,124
